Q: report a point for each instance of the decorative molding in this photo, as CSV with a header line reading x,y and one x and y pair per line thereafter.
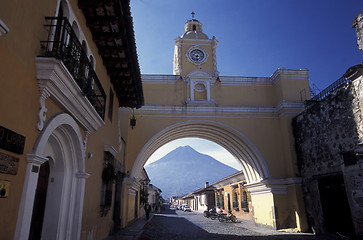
x,y
3,28
274,186
290,74
214,56
110,149
235,81
85,139
55,80
36,159
82,175
133,185
225,111
44,94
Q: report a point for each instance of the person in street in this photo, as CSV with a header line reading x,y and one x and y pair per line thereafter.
x,y
147,209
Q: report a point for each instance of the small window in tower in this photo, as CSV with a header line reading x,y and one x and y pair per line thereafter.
x,y
194,28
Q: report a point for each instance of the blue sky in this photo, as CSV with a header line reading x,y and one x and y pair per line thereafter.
x,y
255,36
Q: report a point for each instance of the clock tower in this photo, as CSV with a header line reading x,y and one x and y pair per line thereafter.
x,y
195,61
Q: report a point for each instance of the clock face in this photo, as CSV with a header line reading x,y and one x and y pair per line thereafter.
x,y
197,55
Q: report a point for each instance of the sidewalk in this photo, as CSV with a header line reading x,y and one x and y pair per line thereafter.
x,y
133,231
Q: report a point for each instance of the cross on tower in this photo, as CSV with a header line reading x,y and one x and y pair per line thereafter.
x,y
193,13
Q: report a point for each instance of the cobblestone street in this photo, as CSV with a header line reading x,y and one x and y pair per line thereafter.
x,y
173,224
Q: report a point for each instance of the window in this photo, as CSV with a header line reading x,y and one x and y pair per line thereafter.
x,y
244,202
220,199
235,201
108,178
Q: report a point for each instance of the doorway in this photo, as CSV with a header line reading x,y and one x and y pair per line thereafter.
x,y
54,184
39,202
335,206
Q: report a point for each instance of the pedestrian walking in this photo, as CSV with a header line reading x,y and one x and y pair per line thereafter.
x,y
147,209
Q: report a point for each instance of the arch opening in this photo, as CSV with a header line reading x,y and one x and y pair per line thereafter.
x,y
201,145
243,150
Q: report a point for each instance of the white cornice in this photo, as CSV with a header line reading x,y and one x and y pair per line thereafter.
x,y
55,80
236,80
289,74
110,149
36,159
275,186
159,79
224,80
224,111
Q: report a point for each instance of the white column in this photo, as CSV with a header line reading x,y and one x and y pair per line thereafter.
x,y
208,90
27,199
192,85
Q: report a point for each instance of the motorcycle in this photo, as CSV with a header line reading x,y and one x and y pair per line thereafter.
x,y
224,217
212,214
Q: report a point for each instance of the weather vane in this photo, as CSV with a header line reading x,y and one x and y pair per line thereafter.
x,y
193,13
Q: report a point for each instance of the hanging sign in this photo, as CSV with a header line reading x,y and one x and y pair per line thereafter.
x,y
11,141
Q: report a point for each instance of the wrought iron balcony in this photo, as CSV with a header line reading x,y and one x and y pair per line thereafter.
x,y
63,44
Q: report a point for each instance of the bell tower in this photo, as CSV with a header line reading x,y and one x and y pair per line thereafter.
x,y
195,60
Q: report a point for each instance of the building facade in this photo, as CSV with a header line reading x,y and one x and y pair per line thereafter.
x,y
329,146
249,116
328,137
66,66
232,195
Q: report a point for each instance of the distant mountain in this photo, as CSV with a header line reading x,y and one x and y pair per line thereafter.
x,y
185,170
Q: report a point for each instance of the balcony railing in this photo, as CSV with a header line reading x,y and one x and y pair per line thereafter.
x,y
323,94
63,44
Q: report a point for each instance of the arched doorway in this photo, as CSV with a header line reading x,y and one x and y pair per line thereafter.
x,y
60,146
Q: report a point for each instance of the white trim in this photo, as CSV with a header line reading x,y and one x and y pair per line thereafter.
x,y
55,81
61,140
110,149
133,185
279,74
3,28
225,111
27,200
275,186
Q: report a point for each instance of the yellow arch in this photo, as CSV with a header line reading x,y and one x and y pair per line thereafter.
x,y
254,166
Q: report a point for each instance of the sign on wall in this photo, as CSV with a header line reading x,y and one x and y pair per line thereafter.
x,y
11,141
8,164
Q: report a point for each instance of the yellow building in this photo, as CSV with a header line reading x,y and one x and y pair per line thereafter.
x,y
232,195
66,66
248,116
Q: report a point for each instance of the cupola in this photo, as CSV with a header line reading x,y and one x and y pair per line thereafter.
x,y
193,29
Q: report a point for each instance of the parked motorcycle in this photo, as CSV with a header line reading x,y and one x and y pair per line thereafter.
x,y
212,214
225,217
